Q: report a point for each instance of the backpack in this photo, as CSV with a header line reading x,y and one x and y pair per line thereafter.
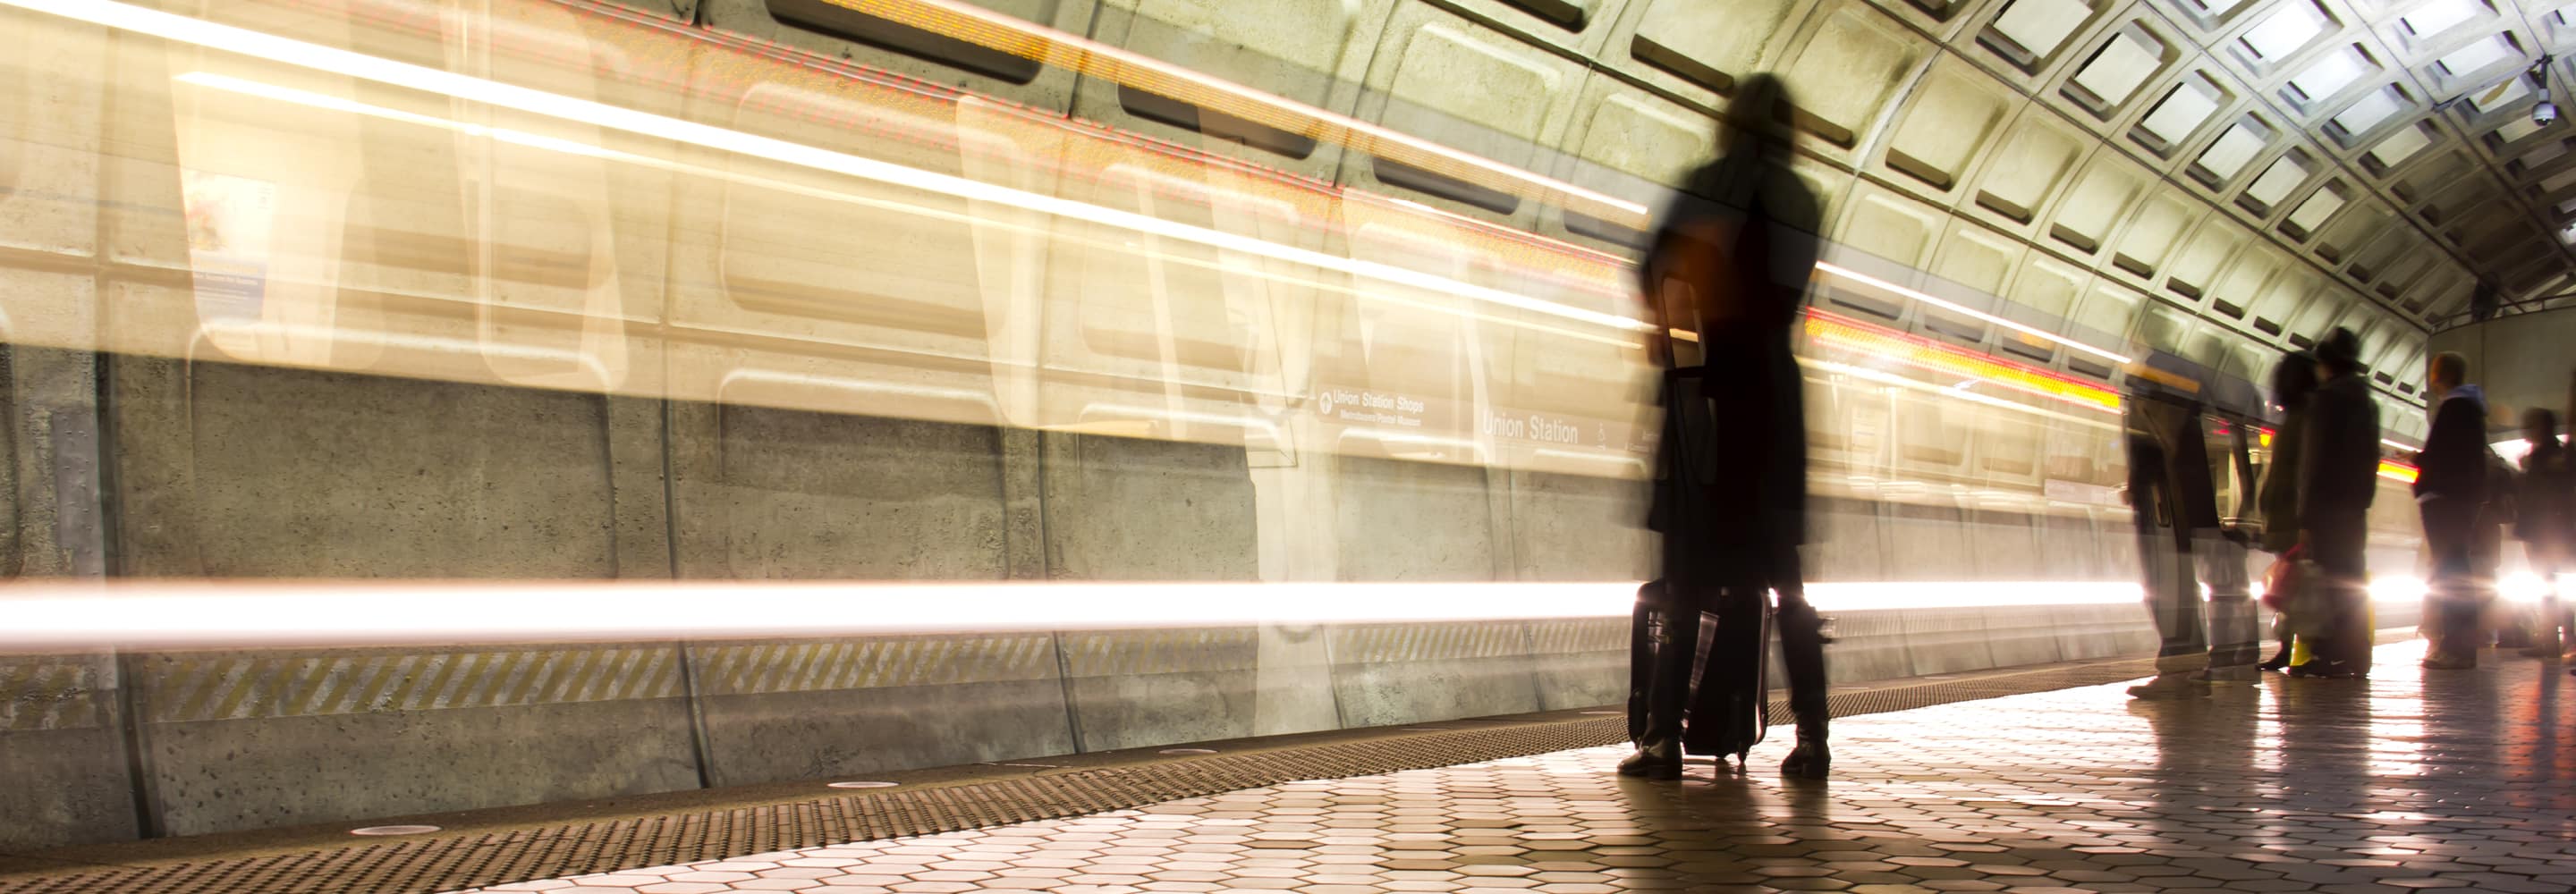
x,y
2502,485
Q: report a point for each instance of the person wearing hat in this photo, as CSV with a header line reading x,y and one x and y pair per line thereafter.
x,y
2338,477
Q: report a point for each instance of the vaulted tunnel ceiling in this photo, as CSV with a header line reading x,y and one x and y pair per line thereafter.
x,y
2261,169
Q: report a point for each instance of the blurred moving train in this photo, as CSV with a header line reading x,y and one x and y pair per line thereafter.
x,y
837,290
577,197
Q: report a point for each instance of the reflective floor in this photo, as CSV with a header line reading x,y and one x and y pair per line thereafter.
x,y
2413,780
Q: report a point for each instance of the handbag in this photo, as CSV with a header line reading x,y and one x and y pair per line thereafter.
x,y
2282,579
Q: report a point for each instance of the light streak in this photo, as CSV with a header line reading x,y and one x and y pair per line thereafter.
x,y
282,614
1957,308
316,57
331,103
1923,353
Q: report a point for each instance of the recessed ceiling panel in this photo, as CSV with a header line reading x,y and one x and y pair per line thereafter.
x,y
2181,113
2030,164
2201,256
2312,214
2400,146
2329,74
1949,119
2430,19
2277,181
2100,197
1891,226
2284,31
2227,156
2029,31
2367,113
2478,56
2151,235
1848,69
1710,42
2114,75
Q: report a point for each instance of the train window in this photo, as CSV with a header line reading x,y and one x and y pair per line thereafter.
x,y
844,22
875,264
1159,302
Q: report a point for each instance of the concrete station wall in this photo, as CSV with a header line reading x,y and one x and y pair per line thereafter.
x,y
161,468
2521,361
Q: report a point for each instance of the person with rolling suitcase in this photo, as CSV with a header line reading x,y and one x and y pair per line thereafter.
x,y
1730,263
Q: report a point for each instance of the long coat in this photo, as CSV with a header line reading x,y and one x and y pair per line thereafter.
x,y
1732,262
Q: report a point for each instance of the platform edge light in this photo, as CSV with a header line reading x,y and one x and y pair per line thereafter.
x,y
41,617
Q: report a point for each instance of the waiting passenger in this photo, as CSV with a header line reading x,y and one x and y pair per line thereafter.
x,y
1732,261
2175,502
2338,478
2293,380
2451,492
2545,522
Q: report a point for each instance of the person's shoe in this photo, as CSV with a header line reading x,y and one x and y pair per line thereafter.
x,y
1654,760
2279,662
2445,661
1810,759
2166,686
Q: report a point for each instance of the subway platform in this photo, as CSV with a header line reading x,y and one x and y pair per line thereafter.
x,y
2412,780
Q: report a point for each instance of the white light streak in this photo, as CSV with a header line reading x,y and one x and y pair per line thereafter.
x,y
285,614
316,57
1955,307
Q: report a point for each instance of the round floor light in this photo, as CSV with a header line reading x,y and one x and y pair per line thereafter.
x,y
863,784
1187,751
383,831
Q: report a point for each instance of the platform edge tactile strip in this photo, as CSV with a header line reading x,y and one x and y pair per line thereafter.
x,y
454,862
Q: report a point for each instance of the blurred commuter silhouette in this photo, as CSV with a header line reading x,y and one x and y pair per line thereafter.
x,y
2182,545
2545,521
2338,478
2452,486
1731,263
2292,381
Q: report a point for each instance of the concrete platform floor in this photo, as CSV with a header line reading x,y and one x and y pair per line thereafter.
x,y
2413,780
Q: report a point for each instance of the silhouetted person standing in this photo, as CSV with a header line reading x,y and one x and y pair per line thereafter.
x,y
2338,478
2175,502
2292,383
2451,492
2545,521
1732,262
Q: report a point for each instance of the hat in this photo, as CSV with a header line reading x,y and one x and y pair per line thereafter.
x,y
2340,349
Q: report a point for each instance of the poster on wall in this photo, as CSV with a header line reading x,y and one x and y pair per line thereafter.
x,y
229,220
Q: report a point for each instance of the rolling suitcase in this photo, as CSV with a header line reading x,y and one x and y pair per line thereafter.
x,y
1730,690
1729,701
